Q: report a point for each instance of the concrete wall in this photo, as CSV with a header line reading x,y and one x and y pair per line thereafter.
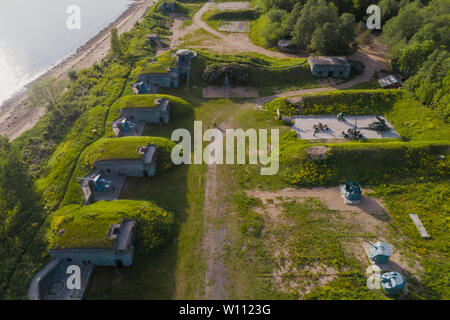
x,y
130,168
164,80
98,257
150,115
335,71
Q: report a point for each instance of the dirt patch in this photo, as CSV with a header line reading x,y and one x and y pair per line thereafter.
x,y
223,92
369,219
233,5
331,197
318,152
215,233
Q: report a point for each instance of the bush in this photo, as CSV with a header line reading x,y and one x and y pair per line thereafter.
x,y
216,73
350,102
85,226
367,163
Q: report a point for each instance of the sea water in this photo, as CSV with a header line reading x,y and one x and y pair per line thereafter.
x,y
34,35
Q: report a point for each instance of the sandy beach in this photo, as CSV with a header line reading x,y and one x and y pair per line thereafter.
x,y
15,117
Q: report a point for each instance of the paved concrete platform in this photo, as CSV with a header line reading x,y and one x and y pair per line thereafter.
x,y
55,287
137,131
234,26
304,127
118,182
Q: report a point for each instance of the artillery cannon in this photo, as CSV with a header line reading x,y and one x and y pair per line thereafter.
x,y
353,134
320,127
125,126
100,184
392,282
351,192
379,125
379,252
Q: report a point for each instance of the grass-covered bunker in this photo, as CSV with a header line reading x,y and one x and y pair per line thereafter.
x,y
166,72
110,161
137,111
101,234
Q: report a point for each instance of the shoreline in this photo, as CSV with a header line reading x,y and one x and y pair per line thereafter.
x,y
16,117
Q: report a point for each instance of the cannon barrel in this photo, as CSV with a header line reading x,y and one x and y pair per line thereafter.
x,y
367,241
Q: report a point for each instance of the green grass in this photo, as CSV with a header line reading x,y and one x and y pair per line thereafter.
x,y
414,121
52,183
124,148
367,163
266,74
198,38
214,17
180,109
352,102
255,32
176,270
429,200
114,149
307,234
161,65
88,226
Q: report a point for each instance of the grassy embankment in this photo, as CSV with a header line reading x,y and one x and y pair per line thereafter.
x,y
409,176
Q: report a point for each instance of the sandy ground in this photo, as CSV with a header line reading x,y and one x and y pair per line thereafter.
x,y
16,118
331,197
369,217
233,42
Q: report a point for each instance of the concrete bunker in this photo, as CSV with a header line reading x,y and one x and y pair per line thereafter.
x,y
331,67
108,179
133,119
164,73
117,249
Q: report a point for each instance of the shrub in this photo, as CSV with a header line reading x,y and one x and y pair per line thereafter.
x,y
350,102
215,73
86,227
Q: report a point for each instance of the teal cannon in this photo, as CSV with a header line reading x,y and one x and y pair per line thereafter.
x,y
352,192
100,184
393,283
379,252
125,126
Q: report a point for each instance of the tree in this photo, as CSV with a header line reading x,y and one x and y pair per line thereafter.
x,y
115,43
314,14
72,74
389,9
414,55
46,91
288,22
20,217
320,29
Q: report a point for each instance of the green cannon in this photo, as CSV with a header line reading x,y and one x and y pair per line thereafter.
x,y
379,125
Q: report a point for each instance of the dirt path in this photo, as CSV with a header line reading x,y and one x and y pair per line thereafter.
x,y
372,56
215,231
16,118
213,238
234,42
